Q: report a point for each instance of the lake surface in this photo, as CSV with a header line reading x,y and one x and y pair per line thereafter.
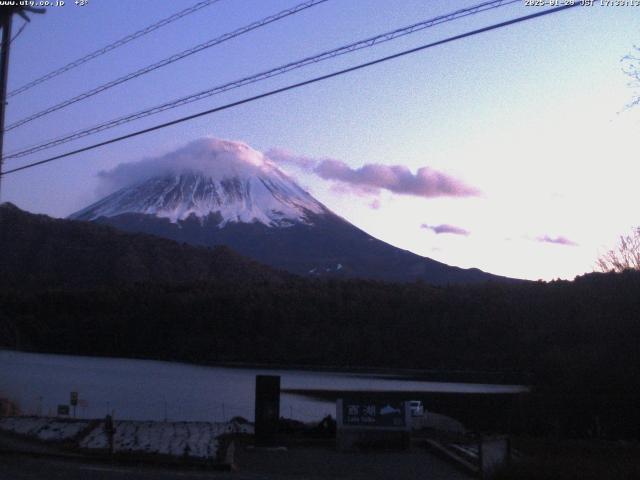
x,y
155,390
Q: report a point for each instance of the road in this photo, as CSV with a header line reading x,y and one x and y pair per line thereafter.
x,y
25,467
302,464
39,461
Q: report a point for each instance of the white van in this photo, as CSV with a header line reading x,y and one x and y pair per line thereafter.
x,y
417,410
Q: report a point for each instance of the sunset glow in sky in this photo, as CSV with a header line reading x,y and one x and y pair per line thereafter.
x,y
510,151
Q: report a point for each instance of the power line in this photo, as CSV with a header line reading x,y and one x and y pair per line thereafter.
x,y
112,46
22,27
167,61
361,44
296,85
19,31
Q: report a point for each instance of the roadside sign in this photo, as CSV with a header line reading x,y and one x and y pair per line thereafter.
x,y
63,410
74,398
372,420
373,413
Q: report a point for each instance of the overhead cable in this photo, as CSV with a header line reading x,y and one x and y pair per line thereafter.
x,y
112,46
167,61
361,44
295,86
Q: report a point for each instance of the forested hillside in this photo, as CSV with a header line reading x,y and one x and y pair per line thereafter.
x,y
577,341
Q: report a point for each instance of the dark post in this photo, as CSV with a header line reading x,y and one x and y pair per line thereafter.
x,y
73,400
267,408
110,430
4,72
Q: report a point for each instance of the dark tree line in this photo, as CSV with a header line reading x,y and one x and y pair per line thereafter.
x,y
548,329
577,341
79,288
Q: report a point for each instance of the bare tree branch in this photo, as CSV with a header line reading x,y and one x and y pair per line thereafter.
x,y
624,256
631,68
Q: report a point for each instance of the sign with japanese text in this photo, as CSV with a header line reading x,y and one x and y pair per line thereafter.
x,y
373,413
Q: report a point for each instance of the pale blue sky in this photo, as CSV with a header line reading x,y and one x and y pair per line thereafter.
x,y
528,115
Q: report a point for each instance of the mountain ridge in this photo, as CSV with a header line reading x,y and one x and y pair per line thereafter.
x,y
225,177
328,246
41,251
217,192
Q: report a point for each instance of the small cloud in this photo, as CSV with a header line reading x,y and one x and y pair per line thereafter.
x,y
444,228
346,189
208,155
426,182
282,156
559,240
372,177
375,205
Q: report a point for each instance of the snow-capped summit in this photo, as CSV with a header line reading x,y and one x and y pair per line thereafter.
x,y
217,192
207,177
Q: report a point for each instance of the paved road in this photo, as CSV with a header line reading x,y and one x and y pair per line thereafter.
x,y
38,461
304,464
23,467
311,463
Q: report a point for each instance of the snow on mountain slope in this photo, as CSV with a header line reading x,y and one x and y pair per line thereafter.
x,y
216,192
208,176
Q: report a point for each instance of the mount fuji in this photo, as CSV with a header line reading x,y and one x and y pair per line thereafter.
x,y
216,192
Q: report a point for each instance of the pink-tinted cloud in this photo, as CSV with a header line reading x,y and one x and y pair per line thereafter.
x,y
342,188
375,205
282,156
426,182
444,228
559,240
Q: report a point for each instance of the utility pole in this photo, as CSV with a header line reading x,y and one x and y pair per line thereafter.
x,y
6,17
4,72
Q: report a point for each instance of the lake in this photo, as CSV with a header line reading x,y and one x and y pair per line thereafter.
x,y
155,390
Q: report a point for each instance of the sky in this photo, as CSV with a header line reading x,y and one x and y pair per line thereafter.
x,y
510,151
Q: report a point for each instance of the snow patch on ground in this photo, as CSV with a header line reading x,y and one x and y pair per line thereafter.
x,y
193,439
47,429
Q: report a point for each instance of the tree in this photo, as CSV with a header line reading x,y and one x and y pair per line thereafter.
x,y
624,256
